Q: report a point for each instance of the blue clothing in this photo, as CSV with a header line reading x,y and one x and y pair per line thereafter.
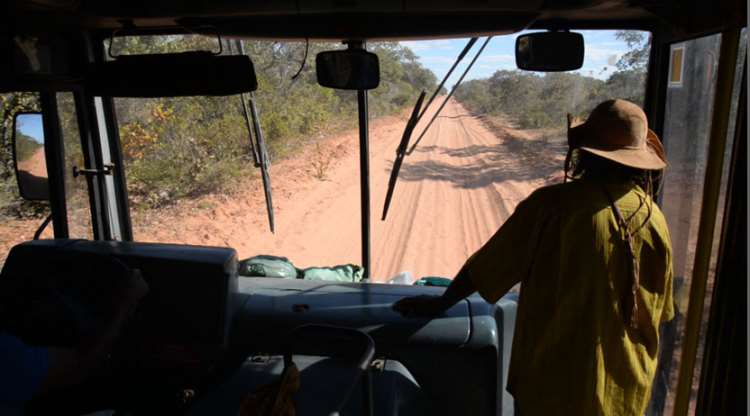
x,y
22,371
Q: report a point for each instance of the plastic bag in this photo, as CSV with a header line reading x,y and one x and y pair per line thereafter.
x,y
341,273
267,266
403,278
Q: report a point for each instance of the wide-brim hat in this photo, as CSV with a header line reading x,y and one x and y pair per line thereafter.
x,y
618,130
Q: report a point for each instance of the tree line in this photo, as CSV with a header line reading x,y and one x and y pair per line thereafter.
x,y
184,147
534,100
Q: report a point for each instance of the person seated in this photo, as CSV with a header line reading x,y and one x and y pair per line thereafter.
x,y
27,371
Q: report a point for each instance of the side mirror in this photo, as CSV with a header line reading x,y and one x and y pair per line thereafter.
x,y
28,157
549,51
349,69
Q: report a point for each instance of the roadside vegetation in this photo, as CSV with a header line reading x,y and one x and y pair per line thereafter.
x,y
535,100
185,147
26,146
189,146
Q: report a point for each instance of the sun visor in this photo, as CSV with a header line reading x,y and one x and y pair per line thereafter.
x,y
39,63
173,75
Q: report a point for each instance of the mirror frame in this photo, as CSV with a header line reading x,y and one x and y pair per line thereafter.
x,y
21,188
571,35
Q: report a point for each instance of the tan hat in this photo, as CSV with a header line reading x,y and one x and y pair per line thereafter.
x,y
618,130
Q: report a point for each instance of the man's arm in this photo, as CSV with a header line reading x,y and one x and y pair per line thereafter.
x,y
460,288
494,269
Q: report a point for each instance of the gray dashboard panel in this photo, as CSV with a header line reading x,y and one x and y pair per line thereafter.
x,y
275,305
395,392
459,360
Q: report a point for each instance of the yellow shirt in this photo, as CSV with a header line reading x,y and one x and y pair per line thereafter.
x,y
573,353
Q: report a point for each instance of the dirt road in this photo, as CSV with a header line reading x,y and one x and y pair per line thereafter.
x,y
36,164
454,191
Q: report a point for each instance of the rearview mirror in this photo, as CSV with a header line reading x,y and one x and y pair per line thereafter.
x,y
549,51
28,156
350,69
173,75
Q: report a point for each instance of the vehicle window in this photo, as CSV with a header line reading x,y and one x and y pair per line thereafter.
x,y
686,137
191,176
76,188
19,219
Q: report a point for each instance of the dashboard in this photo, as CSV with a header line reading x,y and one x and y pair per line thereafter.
x,y
202,332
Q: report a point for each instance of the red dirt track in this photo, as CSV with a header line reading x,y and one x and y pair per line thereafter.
x,y
454,191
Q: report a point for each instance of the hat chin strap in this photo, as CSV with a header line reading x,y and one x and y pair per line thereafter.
x,y
566,166
572,145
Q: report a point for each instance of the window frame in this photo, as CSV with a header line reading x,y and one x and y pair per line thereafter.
x,y
55,159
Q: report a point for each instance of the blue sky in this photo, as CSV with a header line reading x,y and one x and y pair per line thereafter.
x,y
31,125
602,50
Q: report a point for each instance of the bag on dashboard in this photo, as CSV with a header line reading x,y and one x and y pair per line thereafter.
x,y
267,266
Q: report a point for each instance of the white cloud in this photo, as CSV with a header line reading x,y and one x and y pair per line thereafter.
x,y
598,53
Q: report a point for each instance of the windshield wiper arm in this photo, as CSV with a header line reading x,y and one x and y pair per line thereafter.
x,y
434,116
401,152
458,60
260,154
253,147
264,162
416,115
253,150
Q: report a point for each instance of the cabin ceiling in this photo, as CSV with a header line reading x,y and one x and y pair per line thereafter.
x,y
366,19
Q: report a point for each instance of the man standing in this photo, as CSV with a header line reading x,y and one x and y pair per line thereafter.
x,y
593,257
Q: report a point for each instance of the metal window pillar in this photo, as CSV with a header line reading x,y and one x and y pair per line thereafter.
x,y
55,159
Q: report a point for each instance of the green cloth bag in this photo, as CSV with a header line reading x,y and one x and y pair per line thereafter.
x,y
433,281
267,266
341,273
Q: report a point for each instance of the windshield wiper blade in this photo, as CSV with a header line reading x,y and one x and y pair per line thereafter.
x,y
412,123
401,152
258,148
264,162
437,113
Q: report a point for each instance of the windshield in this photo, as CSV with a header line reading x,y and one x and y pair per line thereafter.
x,y
191,162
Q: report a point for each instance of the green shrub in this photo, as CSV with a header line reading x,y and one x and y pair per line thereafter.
x,y
185,147
532,100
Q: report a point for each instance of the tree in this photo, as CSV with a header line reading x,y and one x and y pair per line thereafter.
x,y
636,58
187,146
535,101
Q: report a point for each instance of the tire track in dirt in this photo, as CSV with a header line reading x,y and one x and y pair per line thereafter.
x,y
454,191
404,216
